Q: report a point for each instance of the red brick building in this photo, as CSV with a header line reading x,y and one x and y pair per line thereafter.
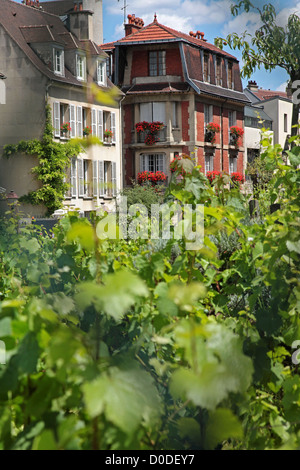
x,y
184,82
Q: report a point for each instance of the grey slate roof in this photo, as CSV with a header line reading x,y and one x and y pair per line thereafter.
x,y
27,25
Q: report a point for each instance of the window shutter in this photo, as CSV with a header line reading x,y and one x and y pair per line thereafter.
x,y
79,121
72,120
113,127
100,124
80,178
73,178
95,178
114,178
94,122
101,179
56,118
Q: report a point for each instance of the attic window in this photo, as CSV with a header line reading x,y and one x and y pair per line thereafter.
x,y
58,61
80,67
101,72
157,63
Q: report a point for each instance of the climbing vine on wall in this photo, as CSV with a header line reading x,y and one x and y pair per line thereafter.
x,y
53,160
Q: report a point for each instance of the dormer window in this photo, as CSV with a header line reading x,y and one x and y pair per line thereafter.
x,y
58,61
157,63
206,71
80,67
230,75
101,72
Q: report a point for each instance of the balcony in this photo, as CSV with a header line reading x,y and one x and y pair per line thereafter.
x,y
160,136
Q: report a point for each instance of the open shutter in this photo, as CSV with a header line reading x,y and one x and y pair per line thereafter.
x,y
95,178
94,122
56,118
80,178
101,179
73,178
100,124
79,122
72,121
113,127
114,178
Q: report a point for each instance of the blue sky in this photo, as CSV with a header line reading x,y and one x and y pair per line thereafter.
x,y
213,17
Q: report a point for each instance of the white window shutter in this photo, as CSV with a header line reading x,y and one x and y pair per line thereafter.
x,y
95,178
113,127
73,177
79,122
56,118
94,122
80,178
101,179
114,178
100,124
72,120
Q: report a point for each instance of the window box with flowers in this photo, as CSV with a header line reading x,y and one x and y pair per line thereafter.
x,y
210,132
87,131
107,135
148,131
236,134
65,129
152,178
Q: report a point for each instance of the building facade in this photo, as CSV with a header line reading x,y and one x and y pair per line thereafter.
x,y
183,82
48,64
277,105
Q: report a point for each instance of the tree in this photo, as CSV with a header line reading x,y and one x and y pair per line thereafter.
x,y
270,46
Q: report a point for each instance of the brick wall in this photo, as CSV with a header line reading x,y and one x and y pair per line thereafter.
x,y
140,66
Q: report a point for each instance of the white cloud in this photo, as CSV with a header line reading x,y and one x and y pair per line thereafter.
x,y
244,22
282,87
182,15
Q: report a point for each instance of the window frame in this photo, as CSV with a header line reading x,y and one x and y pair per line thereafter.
x,y
61,69
157,63
80,64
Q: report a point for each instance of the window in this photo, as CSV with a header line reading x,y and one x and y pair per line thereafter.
x,y
231,118
101,72
157,63
206,72
61,119
155,111
208,114
209,162
232,164
58,61
80,67
153,162
218,72
285,123
230,75
109,124
107,178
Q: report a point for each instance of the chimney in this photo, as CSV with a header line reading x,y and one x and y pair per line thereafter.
x,y
252,85
32,3
134,24
198,35
81,23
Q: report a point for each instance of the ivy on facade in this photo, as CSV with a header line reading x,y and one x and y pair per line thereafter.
x,y
53,160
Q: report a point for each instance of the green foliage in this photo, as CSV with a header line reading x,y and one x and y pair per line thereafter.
x,y
143,194
131,344
270,46
54,159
